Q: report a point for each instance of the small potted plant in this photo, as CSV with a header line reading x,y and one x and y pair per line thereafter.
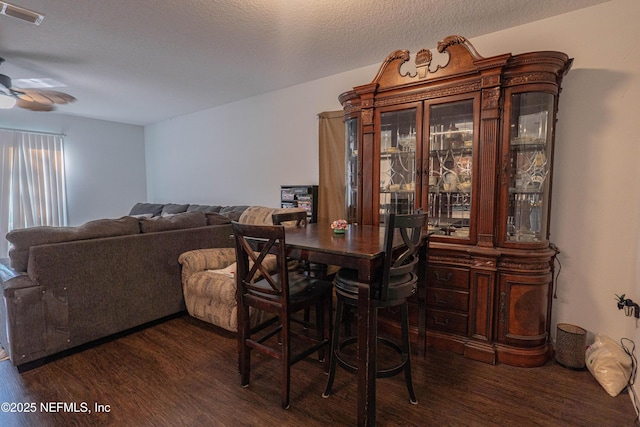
x,y
339,226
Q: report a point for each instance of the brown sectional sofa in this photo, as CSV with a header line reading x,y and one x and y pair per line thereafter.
x,y
67,286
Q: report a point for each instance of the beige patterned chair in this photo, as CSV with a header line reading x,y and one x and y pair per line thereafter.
x,y
208,281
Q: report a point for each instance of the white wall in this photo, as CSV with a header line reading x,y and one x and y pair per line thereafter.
x,y
240,153
104,162
596,187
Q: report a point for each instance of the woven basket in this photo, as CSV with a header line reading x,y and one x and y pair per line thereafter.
x,y
571,342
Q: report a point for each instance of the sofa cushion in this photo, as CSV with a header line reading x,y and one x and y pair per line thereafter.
x,y
146,208
139,216
237,208
23,239
214,218
173,208
233,212
173,222
203,208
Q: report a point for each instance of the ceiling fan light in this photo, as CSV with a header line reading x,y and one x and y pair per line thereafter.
x,y
7,101
18,12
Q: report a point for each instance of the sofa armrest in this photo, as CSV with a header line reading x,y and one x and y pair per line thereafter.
x,y
205,259
12,279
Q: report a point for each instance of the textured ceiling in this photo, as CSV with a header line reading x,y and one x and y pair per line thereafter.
x,y
142,61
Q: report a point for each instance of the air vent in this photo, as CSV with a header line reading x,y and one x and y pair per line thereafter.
x,y
14,11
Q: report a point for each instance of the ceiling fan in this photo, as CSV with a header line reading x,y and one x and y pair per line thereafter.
x,y
31,99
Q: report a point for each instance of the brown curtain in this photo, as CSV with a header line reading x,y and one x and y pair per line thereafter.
x,y
331,189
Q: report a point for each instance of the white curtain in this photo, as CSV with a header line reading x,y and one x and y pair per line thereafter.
x,y
32,187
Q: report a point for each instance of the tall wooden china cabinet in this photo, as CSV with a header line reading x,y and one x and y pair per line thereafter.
x,y
471,143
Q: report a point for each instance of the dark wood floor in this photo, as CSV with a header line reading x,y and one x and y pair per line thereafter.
x,y
183,372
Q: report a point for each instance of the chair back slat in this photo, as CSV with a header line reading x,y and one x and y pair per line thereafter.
x,y
253,275
300,217
405,260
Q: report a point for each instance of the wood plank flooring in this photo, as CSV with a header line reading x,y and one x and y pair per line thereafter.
x,y
183,372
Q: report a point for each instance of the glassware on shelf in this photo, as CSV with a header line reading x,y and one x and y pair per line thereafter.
x,y
451,127
535,220
397,170
351,169
385,141
529,165
408,141
532,128
449,181
511,228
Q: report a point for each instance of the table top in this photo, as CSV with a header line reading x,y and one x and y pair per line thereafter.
x,y
360,241
361,247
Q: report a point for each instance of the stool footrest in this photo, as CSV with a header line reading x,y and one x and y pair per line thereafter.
x,y
380,373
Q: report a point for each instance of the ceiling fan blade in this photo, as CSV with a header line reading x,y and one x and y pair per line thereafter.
x,y
29,96
33,106
44,96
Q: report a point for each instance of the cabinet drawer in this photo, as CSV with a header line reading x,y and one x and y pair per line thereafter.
x,y
448,299
448,277
446,321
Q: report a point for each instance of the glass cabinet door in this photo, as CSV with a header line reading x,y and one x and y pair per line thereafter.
x,y
530,133
397,162
451,136
351,196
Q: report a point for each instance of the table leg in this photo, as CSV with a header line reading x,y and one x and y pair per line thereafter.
x,y
367,342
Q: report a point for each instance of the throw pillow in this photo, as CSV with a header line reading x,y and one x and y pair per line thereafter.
x,y
270,262
229,271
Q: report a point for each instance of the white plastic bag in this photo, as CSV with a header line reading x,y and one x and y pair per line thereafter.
x,y
609,364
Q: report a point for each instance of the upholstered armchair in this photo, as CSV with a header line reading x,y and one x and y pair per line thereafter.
x,y
208,280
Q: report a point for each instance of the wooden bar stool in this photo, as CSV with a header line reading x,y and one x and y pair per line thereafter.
x,y
397,283
267,284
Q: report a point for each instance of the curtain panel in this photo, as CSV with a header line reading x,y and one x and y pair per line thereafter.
x,y
331,187
32,187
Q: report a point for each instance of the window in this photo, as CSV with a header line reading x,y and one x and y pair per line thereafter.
x,y
32,181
